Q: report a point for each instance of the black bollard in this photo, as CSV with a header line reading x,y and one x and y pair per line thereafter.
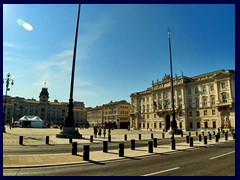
x,y
86,149
91,138
105,146
226,136
154,142
181,133
125,137
191,141
70,139
214,133
233,135
189,134
109,138
210,136
139,136
173,145
47,140
163,135
74,148
21,140
199,138
132,144
205,139
121,150
216,138
196,133
151,135
172,136
187,139
150,147
219,135
203,133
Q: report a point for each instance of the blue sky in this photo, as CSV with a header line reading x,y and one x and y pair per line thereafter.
x,y
121,48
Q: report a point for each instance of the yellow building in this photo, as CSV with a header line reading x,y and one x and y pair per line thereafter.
x,y
205,101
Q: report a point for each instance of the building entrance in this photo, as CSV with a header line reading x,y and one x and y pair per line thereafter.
x,y
168,123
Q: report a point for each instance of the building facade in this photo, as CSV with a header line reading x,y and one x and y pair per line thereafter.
x,y
113,114
205,101
50,112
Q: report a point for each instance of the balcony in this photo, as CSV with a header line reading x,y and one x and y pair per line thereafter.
x,y
224,105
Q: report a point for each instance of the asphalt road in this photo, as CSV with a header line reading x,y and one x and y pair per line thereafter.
x,y
213,160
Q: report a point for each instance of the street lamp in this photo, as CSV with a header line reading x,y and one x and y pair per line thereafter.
x,y
69,125
8,81
173,123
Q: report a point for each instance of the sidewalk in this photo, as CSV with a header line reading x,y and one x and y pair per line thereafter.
x,y
14,161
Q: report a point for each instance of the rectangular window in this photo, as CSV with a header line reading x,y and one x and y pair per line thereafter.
x,y
196,90
190,103
204,89
198,125
189,91
212,100
197,113
155,125
205,112
190,113
214,124
191,125
155,115
205,124
180,125
223,85
160,125
197,102
213,112
211,87
205,101
224,97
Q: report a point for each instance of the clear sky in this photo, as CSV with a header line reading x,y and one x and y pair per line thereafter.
x,y
121,48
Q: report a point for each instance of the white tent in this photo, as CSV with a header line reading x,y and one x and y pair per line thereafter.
x,y
30,121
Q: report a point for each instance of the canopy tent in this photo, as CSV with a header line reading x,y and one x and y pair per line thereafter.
x,y
30,121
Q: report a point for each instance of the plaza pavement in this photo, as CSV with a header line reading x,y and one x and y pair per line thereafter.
x,y
37,137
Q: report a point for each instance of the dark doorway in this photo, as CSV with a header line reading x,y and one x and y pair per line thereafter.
x,y
168,122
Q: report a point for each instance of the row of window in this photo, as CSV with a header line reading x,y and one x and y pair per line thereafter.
x,y
206,124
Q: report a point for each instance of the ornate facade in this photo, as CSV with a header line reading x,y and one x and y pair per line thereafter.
x,y
205,101
50,112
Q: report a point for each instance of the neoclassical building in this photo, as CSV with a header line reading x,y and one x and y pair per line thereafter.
x,y
206,101
50,112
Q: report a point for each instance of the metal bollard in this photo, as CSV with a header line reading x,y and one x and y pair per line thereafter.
x,y
172,137
86,149
216,138
139,136
105,146
154,142
47,140
109,138
163,135
191,142
233,135
189,134
187,139
219,135
182,134
205,139
132,144
70,139
173,144
21,140
203,133
125,137
150,147
74,148
199,138
226,136
210,136
151,135
196,133
121,150
91,138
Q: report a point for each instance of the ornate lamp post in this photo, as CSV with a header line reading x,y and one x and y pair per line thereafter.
x,y
69,125
8,81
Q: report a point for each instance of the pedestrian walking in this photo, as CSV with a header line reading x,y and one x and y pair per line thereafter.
x,y
99,132
104,132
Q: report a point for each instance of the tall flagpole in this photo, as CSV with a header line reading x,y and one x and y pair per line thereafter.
x,y
173,123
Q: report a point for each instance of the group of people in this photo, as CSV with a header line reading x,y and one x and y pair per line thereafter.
x,y
98,131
